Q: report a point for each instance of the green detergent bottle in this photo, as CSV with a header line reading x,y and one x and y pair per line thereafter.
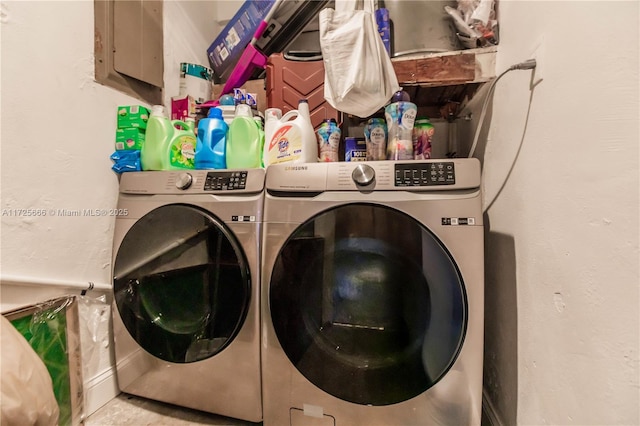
x,y
153,155
182,147
258,121
244,146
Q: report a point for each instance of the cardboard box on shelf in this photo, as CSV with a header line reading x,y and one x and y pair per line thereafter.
x,y
133,116
252,86
183,107
228,46
129,138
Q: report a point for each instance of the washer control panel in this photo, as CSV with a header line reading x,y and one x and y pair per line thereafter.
x,y
225,181
425,174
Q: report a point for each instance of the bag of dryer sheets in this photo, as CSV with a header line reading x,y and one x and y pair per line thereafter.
x,y
359,76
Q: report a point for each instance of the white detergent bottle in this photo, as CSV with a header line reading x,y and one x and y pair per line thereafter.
x,y
272,118
293,139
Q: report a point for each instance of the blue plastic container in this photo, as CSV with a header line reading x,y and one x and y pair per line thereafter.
x,y
384,28
211,144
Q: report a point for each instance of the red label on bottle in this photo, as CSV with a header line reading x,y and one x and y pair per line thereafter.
x,y
277,135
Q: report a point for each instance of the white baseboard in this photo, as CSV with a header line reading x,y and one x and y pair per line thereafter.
x,y
99,390
489,410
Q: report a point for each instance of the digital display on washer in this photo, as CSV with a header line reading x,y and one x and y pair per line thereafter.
x,y
224,181
425,174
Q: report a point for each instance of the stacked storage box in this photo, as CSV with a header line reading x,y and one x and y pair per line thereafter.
x,y
130,134
132,123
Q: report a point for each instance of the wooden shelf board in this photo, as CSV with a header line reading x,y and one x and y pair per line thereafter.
x,y
446,68
441,83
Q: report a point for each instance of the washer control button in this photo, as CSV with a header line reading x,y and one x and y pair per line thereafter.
x,y
363,174
184,181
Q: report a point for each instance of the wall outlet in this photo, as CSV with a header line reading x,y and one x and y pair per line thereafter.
x,y
538,53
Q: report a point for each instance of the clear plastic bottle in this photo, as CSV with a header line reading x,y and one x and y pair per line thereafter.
x,y
212,141
423,131
400,115
244,146
153,155
328,140
375,133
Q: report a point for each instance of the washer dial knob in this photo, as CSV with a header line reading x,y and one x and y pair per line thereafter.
x,y
184,181
363,174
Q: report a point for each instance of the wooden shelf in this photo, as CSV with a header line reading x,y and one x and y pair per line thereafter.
x,y
442,83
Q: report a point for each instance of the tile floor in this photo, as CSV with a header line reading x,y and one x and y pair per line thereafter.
x,y
129,410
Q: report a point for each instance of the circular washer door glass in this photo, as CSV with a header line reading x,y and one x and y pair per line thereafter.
x,y
181,283
368,304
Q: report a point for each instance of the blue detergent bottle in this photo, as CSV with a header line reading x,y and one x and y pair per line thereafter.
x,y
211,143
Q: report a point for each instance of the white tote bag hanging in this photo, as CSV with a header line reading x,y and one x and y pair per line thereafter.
x,y
359,76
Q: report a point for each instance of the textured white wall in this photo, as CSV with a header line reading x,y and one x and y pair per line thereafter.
x,y
562,266
189,29
57,131
58,128
562,302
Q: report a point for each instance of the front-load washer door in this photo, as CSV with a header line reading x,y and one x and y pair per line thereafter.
x,y
181,283
368,304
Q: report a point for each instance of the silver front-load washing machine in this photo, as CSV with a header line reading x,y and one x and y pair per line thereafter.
x,y
373,293
186,289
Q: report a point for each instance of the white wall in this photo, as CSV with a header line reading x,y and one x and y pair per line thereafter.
x,y
189,29
562,308
562,248
57,132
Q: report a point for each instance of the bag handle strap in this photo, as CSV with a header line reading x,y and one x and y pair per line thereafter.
x,y
351,5
342,6
369,6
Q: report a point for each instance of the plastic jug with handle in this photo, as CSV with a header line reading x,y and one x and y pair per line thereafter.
x,y
212,141
293,139
182,146
271,121
157,139
244,142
